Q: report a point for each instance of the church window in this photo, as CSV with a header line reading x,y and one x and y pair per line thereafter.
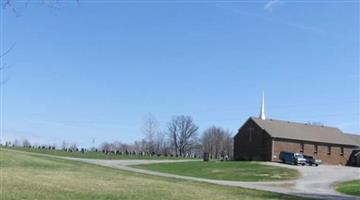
x,y
315,149
341,151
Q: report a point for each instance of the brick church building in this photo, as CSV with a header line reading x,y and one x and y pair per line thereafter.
x,y
263,139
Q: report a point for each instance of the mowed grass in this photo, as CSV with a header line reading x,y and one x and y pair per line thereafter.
x,y
233,171
349,187
29,176
93,155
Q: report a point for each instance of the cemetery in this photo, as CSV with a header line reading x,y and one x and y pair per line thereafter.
x,y
101,154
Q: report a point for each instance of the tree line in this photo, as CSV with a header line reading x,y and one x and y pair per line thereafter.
x,y
180,138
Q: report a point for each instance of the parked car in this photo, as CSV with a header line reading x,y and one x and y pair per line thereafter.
x,y
312,161
292,158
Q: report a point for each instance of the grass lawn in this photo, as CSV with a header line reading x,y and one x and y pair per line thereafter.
x,y
349,187
234,171
29,176
92,155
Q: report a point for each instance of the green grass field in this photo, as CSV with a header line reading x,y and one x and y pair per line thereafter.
x,y
234,171
93,155
349,187
30,176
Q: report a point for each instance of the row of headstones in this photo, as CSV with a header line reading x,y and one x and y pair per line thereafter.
x,y
134,153
117,152
33,147
223,157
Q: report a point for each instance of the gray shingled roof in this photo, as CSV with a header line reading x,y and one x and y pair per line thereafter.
x,y
302,131
355,138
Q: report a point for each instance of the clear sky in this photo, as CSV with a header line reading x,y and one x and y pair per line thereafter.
x,y
94,70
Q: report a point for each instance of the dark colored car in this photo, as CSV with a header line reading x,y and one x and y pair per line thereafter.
x,y
292,158
311,161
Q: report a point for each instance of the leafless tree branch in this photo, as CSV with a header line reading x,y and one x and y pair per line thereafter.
x,y
8,50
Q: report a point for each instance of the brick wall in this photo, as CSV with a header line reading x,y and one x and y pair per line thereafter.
x,y
334,158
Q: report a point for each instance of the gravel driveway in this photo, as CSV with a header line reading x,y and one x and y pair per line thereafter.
x,y
320,181
315,182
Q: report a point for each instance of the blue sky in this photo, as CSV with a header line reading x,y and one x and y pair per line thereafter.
x,y
94,70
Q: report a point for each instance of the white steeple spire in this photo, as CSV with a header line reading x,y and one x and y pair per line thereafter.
x,y
262,108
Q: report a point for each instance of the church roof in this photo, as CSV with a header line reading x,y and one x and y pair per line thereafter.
x,y
304,132
354,137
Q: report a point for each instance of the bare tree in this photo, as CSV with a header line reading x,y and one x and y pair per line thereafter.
x,y
173,136
73,147
4,65
64,145
105,146
217,142
182,134
228,144
26,143
16,143
140,146
14,5
8,4
150,129
161,145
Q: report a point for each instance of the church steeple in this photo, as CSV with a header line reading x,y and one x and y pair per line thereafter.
x,y
262,108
